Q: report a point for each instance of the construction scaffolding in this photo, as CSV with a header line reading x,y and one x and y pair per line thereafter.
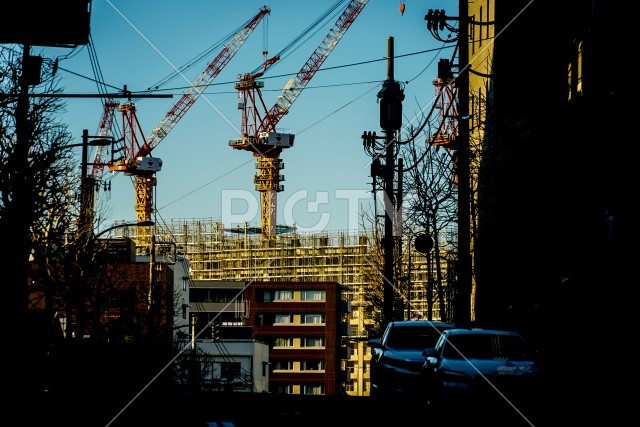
x,y
240,254
351,259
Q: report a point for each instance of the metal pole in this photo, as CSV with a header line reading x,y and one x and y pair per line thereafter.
x,y
462,298
85,220
409,282
389,259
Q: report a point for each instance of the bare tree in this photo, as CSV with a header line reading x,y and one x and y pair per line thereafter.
x,y
34,185
374,278
431,206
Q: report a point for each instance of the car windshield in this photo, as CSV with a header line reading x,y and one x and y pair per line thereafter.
x,y
413,337
486,346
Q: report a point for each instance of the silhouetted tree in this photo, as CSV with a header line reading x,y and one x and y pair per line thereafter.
x,y
33,185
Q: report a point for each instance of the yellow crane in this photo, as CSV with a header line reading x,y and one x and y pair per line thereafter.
x,y
137,160
258,130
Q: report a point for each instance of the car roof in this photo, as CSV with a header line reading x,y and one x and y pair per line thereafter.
x,y
467,331
411,323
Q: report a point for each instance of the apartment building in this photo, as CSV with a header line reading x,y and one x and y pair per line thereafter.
x,y
302,323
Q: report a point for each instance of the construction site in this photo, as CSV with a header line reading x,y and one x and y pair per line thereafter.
x,y
354,260
359,261
351,259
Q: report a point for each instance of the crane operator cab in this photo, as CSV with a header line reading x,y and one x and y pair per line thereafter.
x,y
277,139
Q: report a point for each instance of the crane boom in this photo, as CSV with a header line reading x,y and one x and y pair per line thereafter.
x,y
137,160
295,86
189,97
104,129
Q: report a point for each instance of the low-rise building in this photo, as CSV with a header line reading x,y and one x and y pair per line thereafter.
x,y
302,323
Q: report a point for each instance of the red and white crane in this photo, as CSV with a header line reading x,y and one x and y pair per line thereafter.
x,y
137,160
445,102
258,131
104,130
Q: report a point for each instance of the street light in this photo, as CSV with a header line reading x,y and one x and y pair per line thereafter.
x,y
85,220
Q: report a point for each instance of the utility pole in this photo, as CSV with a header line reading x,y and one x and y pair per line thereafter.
x,y
462,298
87,185
391,96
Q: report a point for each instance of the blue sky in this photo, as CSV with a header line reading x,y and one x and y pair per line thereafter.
x,y
139,43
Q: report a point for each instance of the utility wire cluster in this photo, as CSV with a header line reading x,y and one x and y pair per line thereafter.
x,y
371,145
437,21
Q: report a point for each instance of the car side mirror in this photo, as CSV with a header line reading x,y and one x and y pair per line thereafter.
x,y
429,352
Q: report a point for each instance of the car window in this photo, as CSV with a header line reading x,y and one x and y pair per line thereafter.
x,y
486,346
413,337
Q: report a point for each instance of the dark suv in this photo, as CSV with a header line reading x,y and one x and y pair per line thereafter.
x,y
479,365
396,357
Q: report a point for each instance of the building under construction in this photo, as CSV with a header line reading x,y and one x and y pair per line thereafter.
x,y
352,259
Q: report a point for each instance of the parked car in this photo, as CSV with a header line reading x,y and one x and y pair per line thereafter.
x,y
480,364
396,357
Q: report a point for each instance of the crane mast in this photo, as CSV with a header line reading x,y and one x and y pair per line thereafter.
x,y
258,131
447,131
137,160
104,129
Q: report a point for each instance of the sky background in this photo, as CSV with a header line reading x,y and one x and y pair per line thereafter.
x,y
327,183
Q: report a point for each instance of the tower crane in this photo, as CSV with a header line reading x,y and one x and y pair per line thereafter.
x,y
259,135
445,102
104,129
137,160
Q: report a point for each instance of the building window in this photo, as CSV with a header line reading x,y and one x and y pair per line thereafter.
x,y
230,370
312,342
264,296
574,73
313,319
318,295
283,365
314,389
579,70
283,319
284,389
312,365
283,296
283,342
